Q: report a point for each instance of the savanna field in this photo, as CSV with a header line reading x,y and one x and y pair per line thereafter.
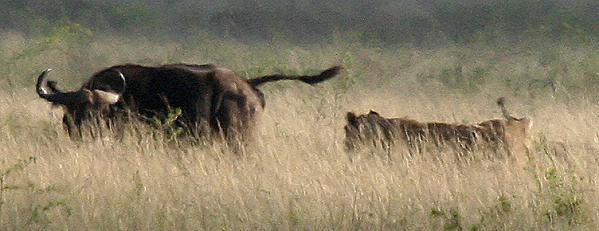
x,y
298,176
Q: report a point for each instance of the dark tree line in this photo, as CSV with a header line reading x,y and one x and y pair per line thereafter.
x,y
388,21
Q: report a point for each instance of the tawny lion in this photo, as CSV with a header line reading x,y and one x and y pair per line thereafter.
x,y
513,134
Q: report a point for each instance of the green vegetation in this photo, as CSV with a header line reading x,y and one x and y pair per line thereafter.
x,y
378,21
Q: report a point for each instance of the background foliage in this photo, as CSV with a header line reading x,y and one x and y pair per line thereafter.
x,y
422,22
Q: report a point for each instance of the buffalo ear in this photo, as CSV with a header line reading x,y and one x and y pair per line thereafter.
x,y
104,98
352,119
373,113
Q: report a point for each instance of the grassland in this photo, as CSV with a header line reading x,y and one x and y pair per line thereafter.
x,y
298,177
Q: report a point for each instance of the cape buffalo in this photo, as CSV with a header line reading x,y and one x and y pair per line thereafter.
x,y
371,129
212,99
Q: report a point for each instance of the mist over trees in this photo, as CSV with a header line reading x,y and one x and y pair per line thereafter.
x,y
386,21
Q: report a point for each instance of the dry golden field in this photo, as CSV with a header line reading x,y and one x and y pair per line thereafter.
x,y
297,176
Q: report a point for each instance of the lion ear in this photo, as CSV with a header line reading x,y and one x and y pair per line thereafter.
x,y
351,118
373,113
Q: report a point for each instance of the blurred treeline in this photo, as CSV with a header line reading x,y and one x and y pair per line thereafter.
x,y
417,22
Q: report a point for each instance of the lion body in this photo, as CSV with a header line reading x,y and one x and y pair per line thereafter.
x,y
372,130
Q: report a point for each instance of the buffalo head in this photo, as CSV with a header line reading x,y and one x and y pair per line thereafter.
x,y
81,105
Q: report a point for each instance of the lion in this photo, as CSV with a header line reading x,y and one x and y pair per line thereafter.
x,y
372,130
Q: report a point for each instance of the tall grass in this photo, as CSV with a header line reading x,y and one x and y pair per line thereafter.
x,y
297,176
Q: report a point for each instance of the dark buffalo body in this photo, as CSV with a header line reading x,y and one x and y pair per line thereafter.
x,y
212,99
151,90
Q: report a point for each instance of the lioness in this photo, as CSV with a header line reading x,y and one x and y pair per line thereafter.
x,y
513,134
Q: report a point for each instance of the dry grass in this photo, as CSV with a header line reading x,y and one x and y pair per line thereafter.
x,y
298,176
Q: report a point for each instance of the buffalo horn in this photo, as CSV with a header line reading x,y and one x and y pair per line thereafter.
x,y
47,90
108,98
